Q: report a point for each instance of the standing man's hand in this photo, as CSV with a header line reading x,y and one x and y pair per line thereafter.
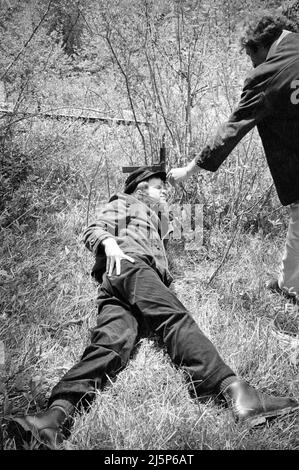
x,y
179,175
114,256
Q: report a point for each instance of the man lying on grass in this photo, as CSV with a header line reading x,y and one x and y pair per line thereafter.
x,y
131,267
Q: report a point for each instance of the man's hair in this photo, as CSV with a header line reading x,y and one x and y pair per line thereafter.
x,y
263,31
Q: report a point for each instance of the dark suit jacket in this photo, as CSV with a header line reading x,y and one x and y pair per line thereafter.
x,y
270,100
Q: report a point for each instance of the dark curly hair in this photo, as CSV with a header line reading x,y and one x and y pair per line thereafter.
x,y
263,31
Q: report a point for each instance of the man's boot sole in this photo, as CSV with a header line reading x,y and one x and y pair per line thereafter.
x,y
263,417
35,433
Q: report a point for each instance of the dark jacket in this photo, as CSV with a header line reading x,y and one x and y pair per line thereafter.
x,y
136,227
270,100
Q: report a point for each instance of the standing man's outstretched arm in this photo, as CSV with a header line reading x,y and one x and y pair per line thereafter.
x,y
250,111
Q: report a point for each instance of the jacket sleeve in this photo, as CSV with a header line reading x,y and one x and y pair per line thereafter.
x,y
249,112
107,225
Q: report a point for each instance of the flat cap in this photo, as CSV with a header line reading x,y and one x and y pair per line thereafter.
x,y
139,175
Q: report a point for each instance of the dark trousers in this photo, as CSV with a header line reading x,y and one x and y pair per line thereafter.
x,y
139,297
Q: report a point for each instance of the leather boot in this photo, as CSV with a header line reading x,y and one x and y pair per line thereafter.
x,y
45,426
251,406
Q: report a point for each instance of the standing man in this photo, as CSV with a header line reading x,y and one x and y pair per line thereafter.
x,y
270,101
132,269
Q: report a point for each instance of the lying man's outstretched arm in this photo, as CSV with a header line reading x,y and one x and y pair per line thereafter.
x,y
101,236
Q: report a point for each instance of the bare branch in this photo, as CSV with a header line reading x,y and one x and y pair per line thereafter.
x,y
27,42
129,93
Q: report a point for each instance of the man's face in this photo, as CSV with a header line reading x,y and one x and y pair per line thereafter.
x,y
257,57
157,190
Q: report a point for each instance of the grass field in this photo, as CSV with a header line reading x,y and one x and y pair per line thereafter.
x,y
48,307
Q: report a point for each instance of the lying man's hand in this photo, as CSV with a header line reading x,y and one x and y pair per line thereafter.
x,y
114,256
